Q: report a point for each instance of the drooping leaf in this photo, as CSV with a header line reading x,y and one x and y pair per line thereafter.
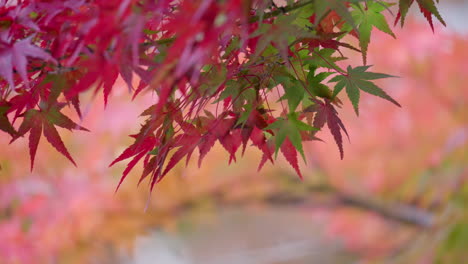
x,y
204,146
357,79
231,143
258,139
290,153
428,8
293,91
316,87
34,135
55,117
326,113
41,121
15,57
51,134
188,144
404,6
369,17
290,128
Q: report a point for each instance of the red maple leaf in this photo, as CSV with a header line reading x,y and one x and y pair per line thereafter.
x,y
44,121
290,153
326,113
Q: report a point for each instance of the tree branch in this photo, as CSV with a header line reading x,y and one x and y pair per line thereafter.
x,y
403,213
280,11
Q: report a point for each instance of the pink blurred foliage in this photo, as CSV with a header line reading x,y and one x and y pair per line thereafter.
x,y
358,232
44,216
52,210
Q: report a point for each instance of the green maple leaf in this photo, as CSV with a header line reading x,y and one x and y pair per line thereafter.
x,y
404,6
357,79
316,87
367,18
289,128
293,91
428,8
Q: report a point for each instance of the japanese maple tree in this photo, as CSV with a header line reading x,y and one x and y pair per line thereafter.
x,y
238,72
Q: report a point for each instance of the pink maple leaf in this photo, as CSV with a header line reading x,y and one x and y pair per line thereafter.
x,y
15,56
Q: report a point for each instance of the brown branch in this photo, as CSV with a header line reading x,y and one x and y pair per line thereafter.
x,y
280,11
403,213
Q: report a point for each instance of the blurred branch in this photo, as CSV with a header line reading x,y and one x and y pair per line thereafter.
x,y
331,197
403,213
316,195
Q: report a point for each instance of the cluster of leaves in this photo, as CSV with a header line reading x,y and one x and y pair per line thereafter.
x,y
217,68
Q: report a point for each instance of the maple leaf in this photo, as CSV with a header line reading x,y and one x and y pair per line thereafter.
x,y
357,79
15,56
255,121
35,127
328,41
293,91
427,7
43,121
100,71
404,6
289,128
368,18
187,143
231,142
22,101
316,87
327,114
204,146
290,153
136,150
258,139
54,139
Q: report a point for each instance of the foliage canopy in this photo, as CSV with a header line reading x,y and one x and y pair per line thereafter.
x,y
237,72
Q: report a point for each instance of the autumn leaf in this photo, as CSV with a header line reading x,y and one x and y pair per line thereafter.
x,y
427,7
327,114
35,127
14,56
51,134
404,6
44,121
290,153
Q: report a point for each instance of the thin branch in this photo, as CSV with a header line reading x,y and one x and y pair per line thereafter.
x,y
280,11
403,213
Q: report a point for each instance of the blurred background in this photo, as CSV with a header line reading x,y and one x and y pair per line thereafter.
x,y
399,196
